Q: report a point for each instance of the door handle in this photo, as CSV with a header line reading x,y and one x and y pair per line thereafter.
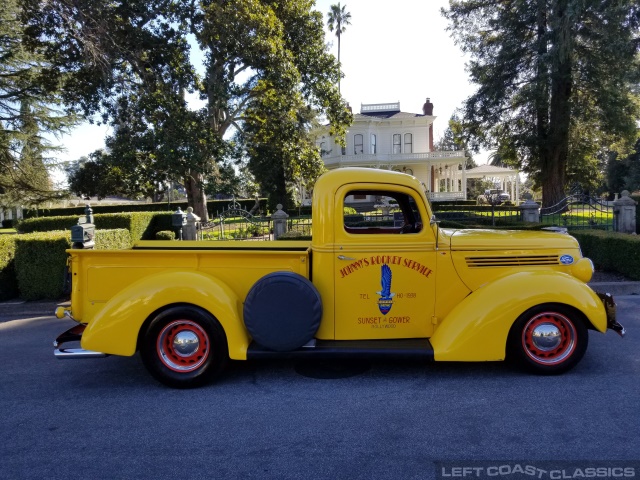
x,y
342,257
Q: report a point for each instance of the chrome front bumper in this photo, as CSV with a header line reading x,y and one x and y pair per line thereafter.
x,y
74,334
610,308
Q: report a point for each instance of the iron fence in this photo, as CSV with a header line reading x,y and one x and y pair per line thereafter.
x,y
579,210
478,214
236,223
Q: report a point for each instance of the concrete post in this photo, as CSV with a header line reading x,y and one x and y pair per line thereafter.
x,y
190,230
530,211
624,213
279,222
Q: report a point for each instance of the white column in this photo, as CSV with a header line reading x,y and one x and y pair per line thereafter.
x,y
464,179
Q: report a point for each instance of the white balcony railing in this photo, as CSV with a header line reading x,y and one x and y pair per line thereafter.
x,y
388,158
446,196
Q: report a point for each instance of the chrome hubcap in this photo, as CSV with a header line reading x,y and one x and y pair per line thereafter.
x,y
186,343
549,338
546,336
183,346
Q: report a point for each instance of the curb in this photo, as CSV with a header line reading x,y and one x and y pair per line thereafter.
x,y
617,288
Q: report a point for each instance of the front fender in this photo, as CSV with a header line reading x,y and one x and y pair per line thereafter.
x,y
478,327
116,327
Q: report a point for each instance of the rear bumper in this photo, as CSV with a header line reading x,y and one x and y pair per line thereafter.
x,y
610,308
74,334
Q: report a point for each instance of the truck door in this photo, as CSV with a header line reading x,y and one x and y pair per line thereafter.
x,y
384,283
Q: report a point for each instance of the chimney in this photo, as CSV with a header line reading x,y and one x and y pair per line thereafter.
x,y
427,108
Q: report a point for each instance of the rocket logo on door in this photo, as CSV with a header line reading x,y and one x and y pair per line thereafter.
x,y
385,301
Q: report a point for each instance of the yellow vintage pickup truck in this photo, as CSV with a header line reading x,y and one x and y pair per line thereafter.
x,y
359,288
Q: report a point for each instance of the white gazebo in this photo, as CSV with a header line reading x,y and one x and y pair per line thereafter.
x,y
507,178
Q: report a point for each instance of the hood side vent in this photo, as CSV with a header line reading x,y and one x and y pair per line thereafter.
x,y
518,261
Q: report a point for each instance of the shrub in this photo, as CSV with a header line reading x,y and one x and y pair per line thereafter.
x,y
165,235
8,223
618,252
41,257
138,223
40,261
141,225
294,235
46,224
8,283
213,206
115,239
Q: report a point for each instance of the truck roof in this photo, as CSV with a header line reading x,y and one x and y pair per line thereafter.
x,y
342,176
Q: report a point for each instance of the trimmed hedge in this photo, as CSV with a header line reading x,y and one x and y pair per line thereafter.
x,y
213,206
8,283
46,224
294,235
32,265
115,239
165,235
618,252
141,225
40,261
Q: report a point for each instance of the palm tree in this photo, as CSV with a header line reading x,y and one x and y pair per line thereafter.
x,y
338,19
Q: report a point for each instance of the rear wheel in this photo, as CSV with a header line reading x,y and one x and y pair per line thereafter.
x,y
548,339
184,347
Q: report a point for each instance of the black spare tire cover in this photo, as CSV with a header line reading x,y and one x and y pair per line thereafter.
x,y
282,311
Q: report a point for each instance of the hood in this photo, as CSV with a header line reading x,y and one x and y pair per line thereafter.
x,y
504,240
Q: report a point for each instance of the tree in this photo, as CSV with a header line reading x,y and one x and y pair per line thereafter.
x,y
279,144
30,105
338,19
623,173
93,177
139,73
554,82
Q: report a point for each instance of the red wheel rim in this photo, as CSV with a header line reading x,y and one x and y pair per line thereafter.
x,y
183,346
549,338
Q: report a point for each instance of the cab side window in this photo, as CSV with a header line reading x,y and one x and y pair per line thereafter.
x,y
384,212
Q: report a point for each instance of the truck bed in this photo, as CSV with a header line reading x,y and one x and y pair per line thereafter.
x,y
98,275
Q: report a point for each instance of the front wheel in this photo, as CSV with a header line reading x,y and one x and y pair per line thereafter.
x,y
548,339
184,347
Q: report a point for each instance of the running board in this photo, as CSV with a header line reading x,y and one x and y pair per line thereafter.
x,y
74,334
413,348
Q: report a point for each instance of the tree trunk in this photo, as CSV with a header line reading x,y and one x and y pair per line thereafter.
x,y
554,158
196,197
339,66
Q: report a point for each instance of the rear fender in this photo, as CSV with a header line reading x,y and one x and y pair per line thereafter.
x,y
478,327
116,327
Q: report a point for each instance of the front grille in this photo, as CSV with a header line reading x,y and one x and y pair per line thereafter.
x,y
517,261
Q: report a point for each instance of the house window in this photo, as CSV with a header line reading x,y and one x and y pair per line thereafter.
x,y
343,150
408,143
396,143
373,144
358,144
